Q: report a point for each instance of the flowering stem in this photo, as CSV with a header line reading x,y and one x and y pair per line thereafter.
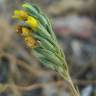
x,y
38,34
72,87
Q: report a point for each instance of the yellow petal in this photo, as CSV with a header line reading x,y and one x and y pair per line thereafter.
x,y
25,31
31,21
30,42
20,14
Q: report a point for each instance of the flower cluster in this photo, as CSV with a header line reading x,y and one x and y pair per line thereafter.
x,y
23,15
25,31
38,35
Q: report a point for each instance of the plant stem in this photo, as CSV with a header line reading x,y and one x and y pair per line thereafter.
x,y
72,87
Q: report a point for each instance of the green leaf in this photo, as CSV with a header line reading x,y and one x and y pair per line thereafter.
x,y
49,28
44,61
44,43
37,8
30,8
48,64
49,56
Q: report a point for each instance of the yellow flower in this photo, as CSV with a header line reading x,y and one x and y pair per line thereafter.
x,y
31,43
25,31
32,22
20,14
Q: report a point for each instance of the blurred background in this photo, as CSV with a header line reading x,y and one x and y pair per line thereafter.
x,y
74,23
